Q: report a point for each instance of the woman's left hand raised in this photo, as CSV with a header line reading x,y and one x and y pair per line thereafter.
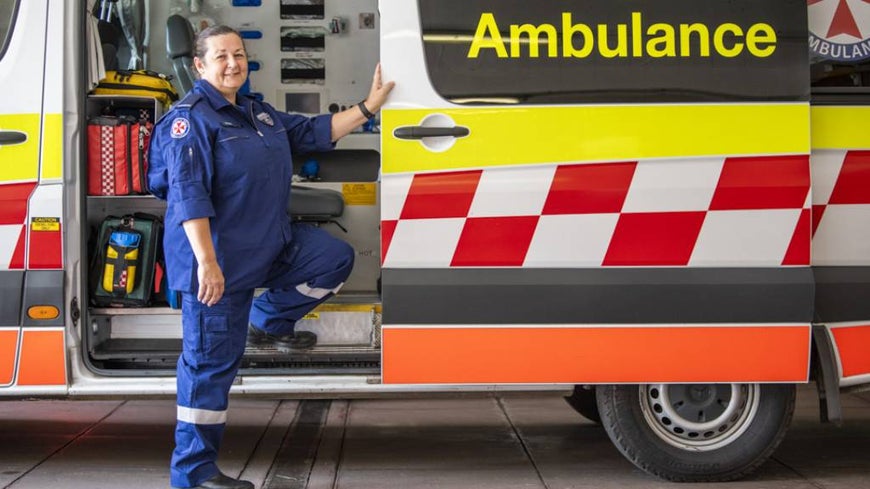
x,y
379,91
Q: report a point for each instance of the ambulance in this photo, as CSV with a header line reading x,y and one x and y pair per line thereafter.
x,y
660,209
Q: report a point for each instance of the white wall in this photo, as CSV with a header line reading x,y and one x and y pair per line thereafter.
x,y
350,56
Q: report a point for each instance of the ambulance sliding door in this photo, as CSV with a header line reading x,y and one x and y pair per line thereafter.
x,y
840,164
595,192
31,343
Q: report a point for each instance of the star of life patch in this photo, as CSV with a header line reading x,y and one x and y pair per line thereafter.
x,y
180,127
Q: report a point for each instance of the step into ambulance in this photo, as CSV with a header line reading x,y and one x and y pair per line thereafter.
x,y
660,208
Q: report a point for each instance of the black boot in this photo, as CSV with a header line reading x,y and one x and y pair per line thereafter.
x,y
298,340
221,481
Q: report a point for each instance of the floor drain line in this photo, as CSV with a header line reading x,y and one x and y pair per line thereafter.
x,y
295,458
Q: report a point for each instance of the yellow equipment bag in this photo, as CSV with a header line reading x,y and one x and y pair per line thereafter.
x,y
139,83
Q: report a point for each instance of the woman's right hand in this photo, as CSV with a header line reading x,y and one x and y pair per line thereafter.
x,y
211,283
208,272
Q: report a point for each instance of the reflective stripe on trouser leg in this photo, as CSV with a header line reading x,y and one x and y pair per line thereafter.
x,y
213,345
311,269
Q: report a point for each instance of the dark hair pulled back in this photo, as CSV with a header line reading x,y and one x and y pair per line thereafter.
x,y
200,47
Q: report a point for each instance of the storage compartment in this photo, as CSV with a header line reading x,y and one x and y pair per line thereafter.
x,y
147,340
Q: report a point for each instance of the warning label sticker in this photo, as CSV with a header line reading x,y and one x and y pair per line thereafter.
x,y
359,193
45,224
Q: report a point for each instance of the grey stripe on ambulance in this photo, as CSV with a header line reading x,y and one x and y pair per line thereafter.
x,y
201,416
597,296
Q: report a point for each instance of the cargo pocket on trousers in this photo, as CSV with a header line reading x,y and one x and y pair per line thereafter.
x,y
215,335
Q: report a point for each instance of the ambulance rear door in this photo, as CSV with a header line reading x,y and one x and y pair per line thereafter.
x,y
595,192
840,163
32,355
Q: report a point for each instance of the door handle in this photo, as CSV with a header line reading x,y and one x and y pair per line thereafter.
x,y
8,138
420,132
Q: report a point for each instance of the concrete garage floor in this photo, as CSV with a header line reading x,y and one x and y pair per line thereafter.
x,y
483,441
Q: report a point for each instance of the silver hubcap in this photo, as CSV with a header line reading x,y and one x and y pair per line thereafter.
x,y
699,417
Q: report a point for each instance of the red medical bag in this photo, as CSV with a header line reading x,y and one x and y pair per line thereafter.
x,y
118,155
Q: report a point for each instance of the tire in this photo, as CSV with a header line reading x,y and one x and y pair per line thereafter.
x,y
583,401
652,427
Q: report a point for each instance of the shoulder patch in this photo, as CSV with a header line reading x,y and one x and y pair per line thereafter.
x,y
180,127
189,100
183,107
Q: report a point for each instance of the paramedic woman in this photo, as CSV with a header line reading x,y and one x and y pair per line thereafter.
x,y
222,161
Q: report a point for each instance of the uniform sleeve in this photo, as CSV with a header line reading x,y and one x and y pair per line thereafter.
x,y
184,144
158,177
308,134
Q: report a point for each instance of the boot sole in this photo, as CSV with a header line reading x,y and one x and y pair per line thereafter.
x,y
304,340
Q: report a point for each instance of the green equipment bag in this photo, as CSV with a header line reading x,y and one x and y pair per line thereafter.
x,y
138,83
124,259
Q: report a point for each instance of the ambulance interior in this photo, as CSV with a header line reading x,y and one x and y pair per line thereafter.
x,y
305,56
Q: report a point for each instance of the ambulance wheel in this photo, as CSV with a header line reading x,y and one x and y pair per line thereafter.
x,y
696,432
583,401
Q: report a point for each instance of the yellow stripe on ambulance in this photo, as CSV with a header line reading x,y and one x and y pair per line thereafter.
x,y
537,135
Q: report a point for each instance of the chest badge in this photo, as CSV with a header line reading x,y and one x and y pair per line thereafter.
x,y
180,127
265,119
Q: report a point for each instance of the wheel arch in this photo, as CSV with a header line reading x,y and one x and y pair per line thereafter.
x,y
824,369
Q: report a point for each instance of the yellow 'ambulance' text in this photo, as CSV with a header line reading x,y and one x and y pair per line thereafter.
x,y
658,40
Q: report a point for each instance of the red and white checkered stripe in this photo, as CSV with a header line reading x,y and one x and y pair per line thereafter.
x,y
841,207
12,246
706,212
13,216
40,249
107,160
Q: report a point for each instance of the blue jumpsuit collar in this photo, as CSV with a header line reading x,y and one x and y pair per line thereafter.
x,y
215,98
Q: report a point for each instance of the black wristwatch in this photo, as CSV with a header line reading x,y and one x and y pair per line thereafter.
x,y
365,110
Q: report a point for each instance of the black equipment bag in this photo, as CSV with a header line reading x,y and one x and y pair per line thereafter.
x,y
124,260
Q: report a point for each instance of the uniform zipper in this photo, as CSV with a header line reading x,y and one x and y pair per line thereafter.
x,y
254,122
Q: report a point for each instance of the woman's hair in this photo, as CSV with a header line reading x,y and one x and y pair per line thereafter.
x,y
200,47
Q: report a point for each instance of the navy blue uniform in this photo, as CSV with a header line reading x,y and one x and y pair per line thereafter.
x,y
231,163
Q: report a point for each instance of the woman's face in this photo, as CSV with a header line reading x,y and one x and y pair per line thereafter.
x,y
225,65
